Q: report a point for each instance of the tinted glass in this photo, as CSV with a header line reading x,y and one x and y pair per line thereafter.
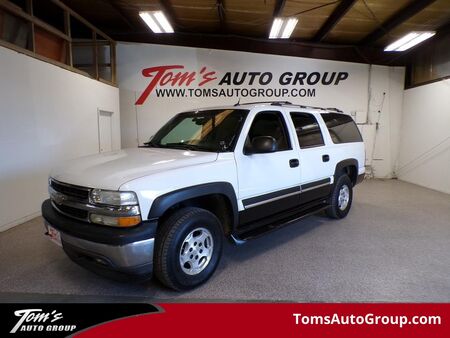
x,y
342,128
208,130
308,130
270,123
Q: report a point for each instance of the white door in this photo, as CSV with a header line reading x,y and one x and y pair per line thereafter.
x,y
315,157
315,165
105,130
269,177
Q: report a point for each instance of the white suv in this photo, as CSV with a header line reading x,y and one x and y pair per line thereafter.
x,y
235,171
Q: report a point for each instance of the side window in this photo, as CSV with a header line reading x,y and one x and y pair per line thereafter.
x,y
270,123
308,130
342,128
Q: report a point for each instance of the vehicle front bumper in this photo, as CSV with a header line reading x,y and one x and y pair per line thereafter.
x,y
108,251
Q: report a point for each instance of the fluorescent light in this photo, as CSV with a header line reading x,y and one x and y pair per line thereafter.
x,y
274,31
408,41
282,28
416,41
401,42
148,19
157,21
289,28
162,20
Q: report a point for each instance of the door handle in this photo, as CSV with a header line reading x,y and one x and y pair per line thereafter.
x,y
294,163
325,158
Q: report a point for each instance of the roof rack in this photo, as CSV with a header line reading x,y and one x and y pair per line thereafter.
x,y
335,109
281,103
272,103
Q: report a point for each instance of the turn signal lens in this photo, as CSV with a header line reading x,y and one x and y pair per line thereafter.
x,y
124,222
129,221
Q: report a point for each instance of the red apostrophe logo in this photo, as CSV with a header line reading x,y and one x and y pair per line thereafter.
x,y
165,75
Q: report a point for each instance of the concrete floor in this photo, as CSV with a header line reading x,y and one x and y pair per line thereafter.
x,y
393,246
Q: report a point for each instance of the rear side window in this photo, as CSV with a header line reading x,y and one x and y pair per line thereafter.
x,y
308,130
342,128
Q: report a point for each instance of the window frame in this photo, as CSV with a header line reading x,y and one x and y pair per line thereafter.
x,y
283,124
291,113
322,115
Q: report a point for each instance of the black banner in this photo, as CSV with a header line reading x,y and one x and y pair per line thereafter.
x,y
62,320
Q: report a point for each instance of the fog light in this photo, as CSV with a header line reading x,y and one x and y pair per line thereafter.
x,y
127,221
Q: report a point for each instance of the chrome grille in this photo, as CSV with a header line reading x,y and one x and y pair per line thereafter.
x,y
69,200
70,190
73,201
72,212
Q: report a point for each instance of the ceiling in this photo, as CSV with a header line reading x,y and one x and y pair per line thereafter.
x,y
362,23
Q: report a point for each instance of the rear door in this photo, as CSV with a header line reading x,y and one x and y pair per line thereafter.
x,y
315,165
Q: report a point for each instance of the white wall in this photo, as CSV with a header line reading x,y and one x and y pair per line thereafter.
x,y
383,120
47,115
361,94
424,157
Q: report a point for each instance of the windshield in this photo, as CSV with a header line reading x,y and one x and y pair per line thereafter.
x,y
208,130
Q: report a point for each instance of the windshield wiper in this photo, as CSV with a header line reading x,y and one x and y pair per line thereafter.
x,y
151,144
187,146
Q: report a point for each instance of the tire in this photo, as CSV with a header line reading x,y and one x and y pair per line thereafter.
x,y
193,236
341,198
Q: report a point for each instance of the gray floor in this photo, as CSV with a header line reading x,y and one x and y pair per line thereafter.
x,y
393,246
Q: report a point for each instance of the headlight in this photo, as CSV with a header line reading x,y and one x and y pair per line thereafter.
x,y
118,198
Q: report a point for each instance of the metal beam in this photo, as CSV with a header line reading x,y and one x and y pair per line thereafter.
x,y
169,12
333,19
395,20
221,12
124,16
241,43
279,6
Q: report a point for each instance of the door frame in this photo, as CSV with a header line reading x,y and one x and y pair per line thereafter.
x,y
110,113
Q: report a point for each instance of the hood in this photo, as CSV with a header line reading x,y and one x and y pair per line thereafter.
x,y
111,170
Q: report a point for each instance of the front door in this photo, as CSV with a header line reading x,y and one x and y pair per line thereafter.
x,y
268,183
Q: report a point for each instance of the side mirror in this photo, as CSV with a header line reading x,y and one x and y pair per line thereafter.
x,y
262,145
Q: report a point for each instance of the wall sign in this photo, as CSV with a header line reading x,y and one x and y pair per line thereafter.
x,y
178,82
156,82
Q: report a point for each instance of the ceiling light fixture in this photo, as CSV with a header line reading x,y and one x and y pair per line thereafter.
x,y
282,28
157,21
408,41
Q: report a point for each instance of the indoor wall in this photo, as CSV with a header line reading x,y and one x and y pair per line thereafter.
x,y
48,115
424,157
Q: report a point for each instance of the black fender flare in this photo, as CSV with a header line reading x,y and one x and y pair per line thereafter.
x,y
162,203
345,163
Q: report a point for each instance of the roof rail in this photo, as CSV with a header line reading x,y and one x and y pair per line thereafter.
x,y
272,103
281,103
335,109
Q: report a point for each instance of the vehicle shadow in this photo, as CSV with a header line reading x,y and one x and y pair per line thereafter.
x,y
272,240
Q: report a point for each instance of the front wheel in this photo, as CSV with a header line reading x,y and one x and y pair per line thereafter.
x,y
188,248
341,198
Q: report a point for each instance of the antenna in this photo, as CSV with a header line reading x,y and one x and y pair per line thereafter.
x,y
237,104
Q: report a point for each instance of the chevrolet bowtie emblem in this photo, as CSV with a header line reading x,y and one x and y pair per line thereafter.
x,y
58,198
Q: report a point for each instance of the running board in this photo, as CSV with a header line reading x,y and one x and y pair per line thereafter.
x,y
245,236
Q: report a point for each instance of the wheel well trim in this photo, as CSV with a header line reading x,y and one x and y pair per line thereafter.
x,y
164,202
346,163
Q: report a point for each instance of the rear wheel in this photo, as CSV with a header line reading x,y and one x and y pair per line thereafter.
x,y
341,198
188,248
